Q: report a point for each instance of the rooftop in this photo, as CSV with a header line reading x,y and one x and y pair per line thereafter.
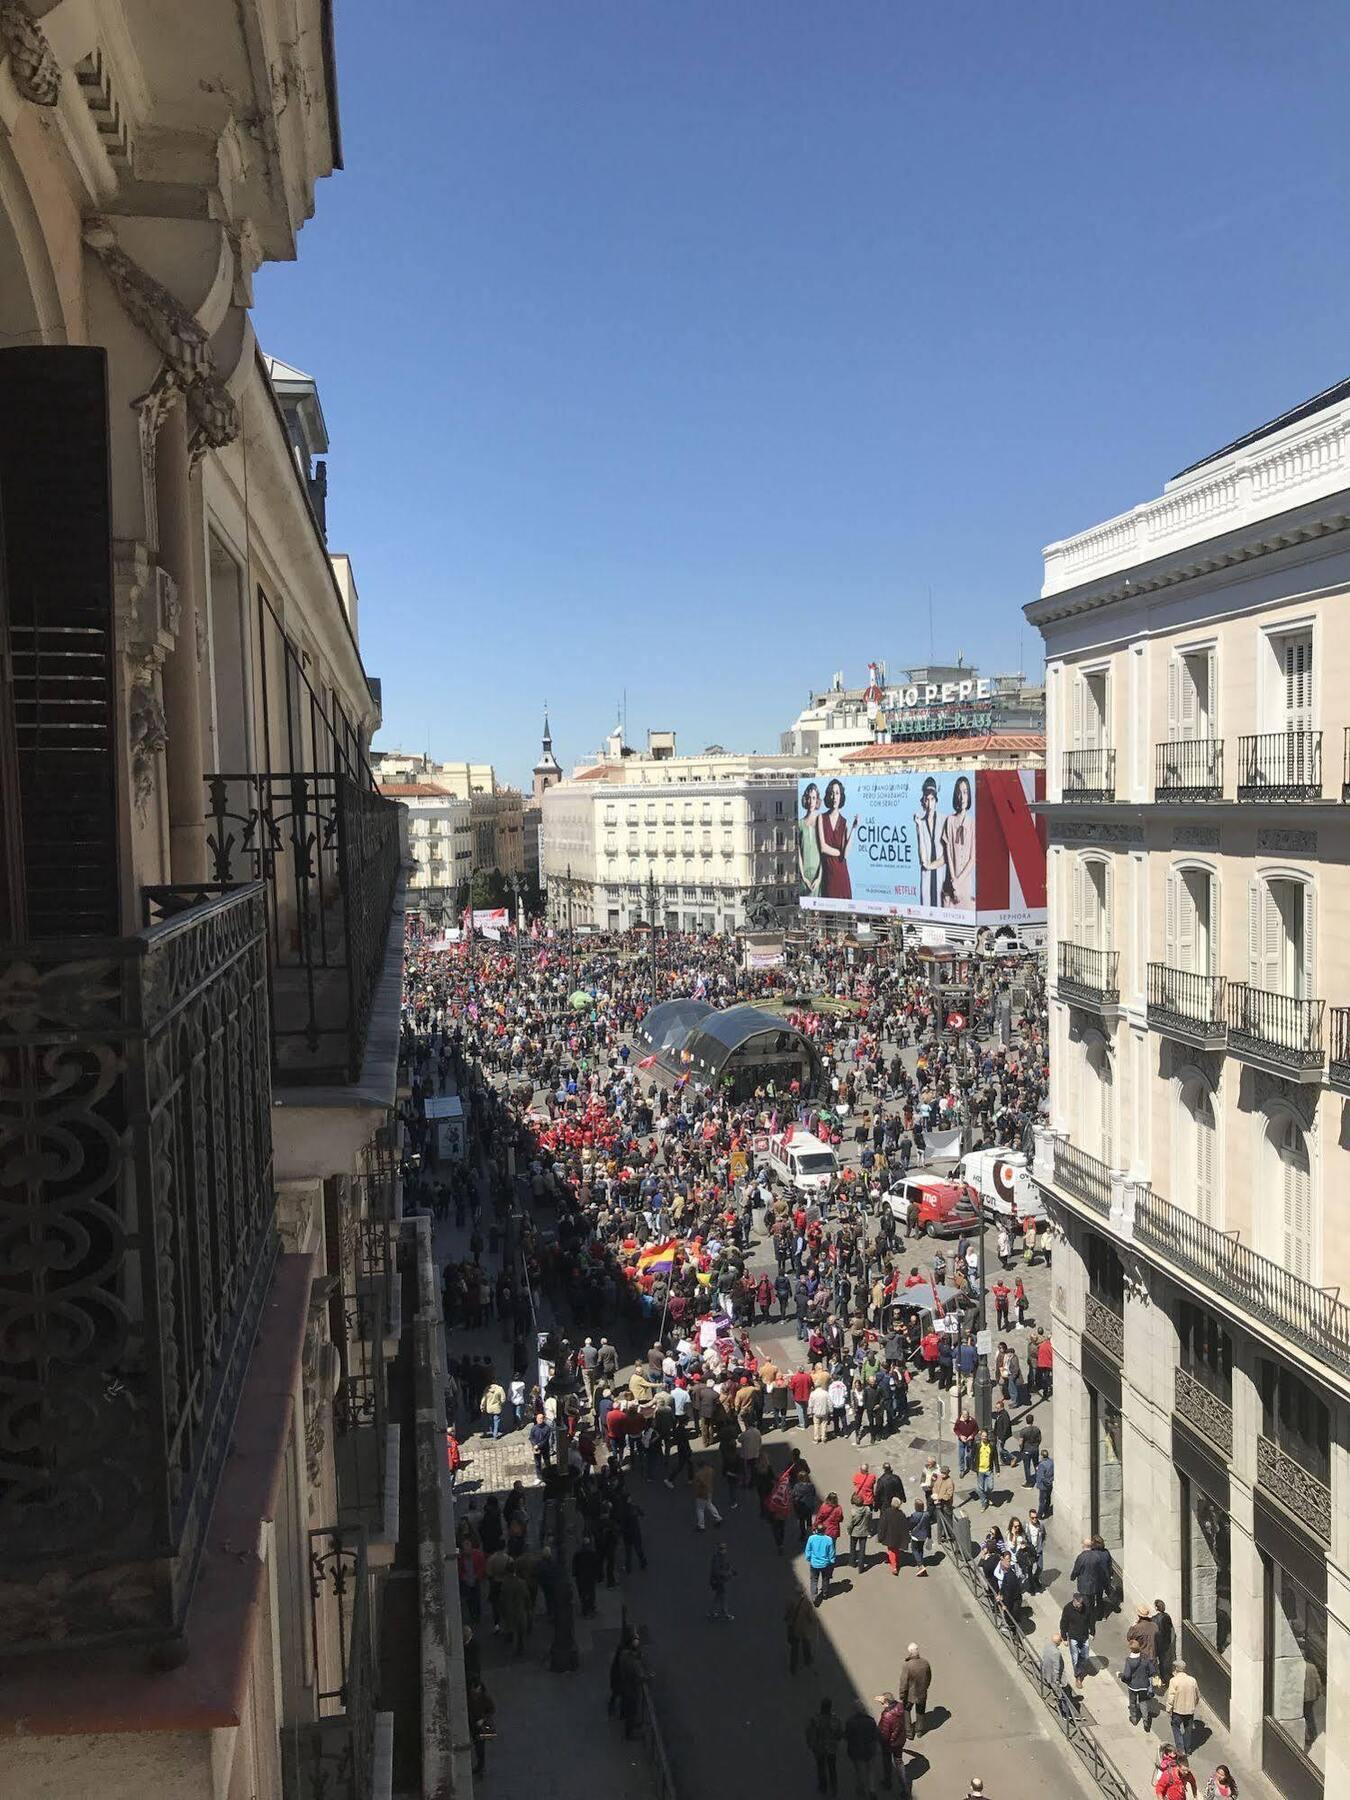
x,y
993,743
1339,390
414,790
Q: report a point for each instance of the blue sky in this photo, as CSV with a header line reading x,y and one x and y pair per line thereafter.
x,y
682,346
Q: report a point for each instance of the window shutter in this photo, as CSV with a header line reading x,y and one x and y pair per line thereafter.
x,y
1203,1126
1254,892
1076,901
1173,697
1108,935
1209,718
1186,922
1273,974
1212,899
1190,699
1297,1202
1170,936
1309,970
1077,711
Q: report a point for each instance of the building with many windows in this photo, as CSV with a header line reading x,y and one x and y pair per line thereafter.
x,y
1198,718
220,1408
695,840
439,843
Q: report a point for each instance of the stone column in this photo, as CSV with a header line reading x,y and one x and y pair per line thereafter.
x,y
1246,1653
178,522
1152,1547
1070,1410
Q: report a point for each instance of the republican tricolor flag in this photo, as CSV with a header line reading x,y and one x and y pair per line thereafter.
x,y
658,1256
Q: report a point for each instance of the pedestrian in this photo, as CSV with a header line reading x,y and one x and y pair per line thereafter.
x,y
1091,1574
454,1456
586,1574
820,1560
983,1462
802,1629
1052,1673
1044,1483
1173,1777
916,1676
1029,1436
704,1509
819,1409
891,1731
859,1530
893,1532
482,1709
1221,1785
493,1407
1139,1674
1075,1627
720,1573
822,1738
1165,1640
1181,1699
861,1743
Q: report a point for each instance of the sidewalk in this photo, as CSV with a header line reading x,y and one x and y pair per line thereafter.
x,y
554,1740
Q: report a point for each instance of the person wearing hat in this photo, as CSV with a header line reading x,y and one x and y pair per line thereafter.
x,y
976,1789
891,1731
1143,1633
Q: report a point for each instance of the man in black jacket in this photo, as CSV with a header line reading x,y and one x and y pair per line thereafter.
x,y
1008,1585
1075,1627
888,1487
1091,1575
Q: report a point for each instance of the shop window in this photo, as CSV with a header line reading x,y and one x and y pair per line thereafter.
x,y
1206,1569
1296,1665
1206,1350
1296,1420
1106,1276
1108,1479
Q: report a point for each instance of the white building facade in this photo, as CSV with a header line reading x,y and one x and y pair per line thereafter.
x,y
440,843
694,840
1198,717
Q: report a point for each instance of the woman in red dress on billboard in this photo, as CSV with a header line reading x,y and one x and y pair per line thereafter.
x,y
836,834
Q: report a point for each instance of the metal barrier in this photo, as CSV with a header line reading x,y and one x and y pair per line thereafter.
x,y
1058,1703
663,1781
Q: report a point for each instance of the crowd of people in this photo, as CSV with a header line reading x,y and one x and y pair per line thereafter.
x,y
644,1253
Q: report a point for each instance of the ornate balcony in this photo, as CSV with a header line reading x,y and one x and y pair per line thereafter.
x,y
333,1756
1105,1327
1297,1490
1338,1064
1188,769
137,1241
1089,977
1088,775
1316,1321
1280,765
1204,1412
1186,1006
1276,1031
1084,1177
327,853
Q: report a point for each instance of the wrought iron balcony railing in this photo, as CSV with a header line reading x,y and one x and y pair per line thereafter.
x,y
1275,1028
1308,1316
359,1319
1089,775
1189,769
327,852
137,1238
332,1757
1280,765
1338,1063
1104,1325
1204,1411
1297,1489
1087,976
1186,1005
1083,1176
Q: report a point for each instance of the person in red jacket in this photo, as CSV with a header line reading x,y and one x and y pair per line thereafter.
x,y
891,1731
829,1517
864,1487
453,1456
799,1386
1045,1362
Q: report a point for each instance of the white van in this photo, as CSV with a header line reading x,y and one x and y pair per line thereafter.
x,y
802,1161
1003,1181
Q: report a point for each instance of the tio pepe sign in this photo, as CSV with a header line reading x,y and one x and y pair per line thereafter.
x,y
942,692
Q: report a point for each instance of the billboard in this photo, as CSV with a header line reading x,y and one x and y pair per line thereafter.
x,y
956,847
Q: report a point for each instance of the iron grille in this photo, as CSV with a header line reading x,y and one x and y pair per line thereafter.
x,y
1089,775
1275,1027
1280,765
137,1239
1189,769
332,1757
1185,1003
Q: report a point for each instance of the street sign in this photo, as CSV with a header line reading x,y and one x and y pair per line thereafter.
x,y
956,1021
739,1165
984,1343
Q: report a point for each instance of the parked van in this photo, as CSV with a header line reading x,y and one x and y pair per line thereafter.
x,y
947,1207
801,1160
1003,1181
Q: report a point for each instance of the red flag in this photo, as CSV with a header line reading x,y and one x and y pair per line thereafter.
x,y
646,1062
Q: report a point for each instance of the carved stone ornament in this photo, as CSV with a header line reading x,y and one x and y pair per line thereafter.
x,y
1260,1089
1276,841
1089,831
189,367
148,609
1195,837
33,68
148,734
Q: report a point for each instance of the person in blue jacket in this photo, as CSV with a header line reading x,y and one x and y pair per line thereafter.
x,y
820,1559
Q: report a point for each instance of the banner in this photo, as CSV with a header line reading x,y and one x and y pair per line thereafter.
x,y
902,845
492,921
949,848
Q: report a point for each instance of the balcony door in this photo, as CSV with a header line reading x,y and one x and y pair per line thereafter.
x,y
1289,1172
1190,695
1092,712
1280,936
1192,922
1195,1160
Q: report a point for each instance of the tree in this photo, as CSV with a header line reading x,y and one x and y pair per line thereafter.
x,y
489,888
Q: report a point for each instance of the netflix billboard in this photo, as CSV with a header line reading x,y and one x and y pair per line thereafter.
x,y
960,846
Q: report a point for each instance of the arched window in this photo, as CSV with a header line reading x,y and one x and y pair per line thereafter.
x,y
1194,1172
1290,1228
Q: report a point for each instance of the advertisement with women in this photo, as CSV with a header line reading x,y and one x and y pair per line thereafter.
x,y
914,846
